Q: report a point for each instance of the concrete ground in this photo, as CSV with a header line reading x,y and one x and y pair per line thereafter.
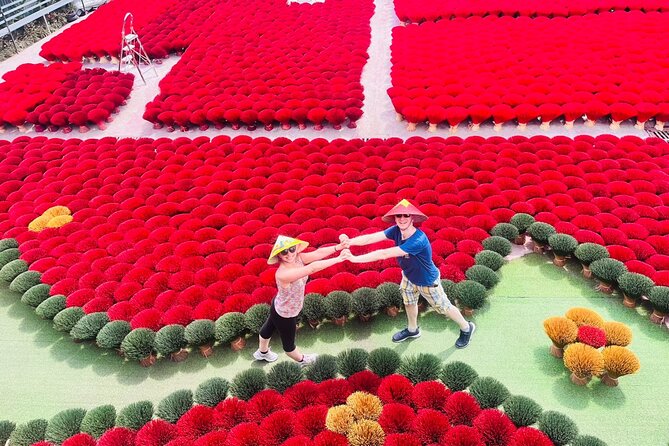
x,y
378,120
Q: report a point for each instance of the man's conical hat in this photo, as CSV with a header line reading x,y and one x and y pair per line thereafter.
x,y
404,207
283,242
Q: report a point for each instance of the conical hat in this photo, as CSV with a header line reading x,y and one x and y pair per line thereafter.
x,y
404,207
283,242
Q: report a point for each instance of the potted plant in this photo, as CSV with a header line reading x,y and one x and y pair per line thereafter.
x,y
112,335
365,303
351,361
211,392
420,367
284,375
338,306
458,375
231,329
171,342
521,221
592,336
584,362
6,429
383,361
390,298
489,392
483,275
563,246
607,271
98,420
201,334
586,253
24,281
659,298
247,383
617,333
139,345
135,415
339,419
506,230
450,288
63,425
313,310
36,295
174,405
540,232
522,411
367,432
66,319
9,255
561,331
322,369
30,432
584,316
633,286
51,306
558,427
12,269
365,406
498,244
8,243
471,295
491,259
88,327
618,361
255,317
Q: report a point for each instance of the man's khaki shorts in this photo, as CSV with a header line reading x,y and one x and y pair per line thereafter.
x,y
435,295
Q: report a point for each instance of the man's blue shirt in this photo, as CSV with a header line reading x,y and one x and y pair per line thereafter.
x,y
417,265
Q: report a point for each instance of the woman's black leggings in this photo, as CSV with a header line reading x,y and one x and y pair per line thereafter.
x,y
286,326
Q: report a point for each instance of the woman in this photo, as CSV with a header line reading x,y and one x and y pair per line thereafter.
x,y
295,267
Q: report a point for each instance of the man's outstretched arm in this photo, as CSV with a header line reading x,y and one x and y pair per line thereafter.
x,y
363,240
379,254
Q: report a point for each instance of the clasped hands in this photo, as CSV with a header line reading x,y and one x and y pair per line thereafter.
x,y
345,244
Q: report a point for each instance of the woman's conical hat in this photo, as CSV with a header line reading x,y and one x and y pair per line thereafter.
x,y
283,242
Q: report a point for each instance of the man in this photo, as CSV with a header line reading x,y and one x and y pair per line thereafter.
x,y
420,276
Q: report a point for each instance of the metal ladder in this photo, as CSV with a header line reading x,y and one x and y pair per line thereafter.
x,y
132,51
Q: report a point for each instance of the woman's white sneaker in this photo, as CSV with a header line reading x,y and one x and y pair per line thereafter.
x,y
308,359
268,356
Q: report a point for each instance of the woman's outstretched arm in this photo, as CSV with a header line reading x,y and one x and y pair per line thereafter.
x,y
289,275
321,253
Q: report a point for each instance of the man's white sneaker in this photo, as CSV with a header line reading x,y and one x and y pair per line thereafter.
x,y
308,360
269,356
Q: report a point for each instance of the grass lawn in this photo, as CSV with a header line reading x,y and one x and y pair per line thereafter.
x,y
45,372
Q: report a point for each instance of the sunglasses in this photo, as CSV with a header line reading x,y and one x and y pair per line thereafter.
x,y
286,251
402,215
